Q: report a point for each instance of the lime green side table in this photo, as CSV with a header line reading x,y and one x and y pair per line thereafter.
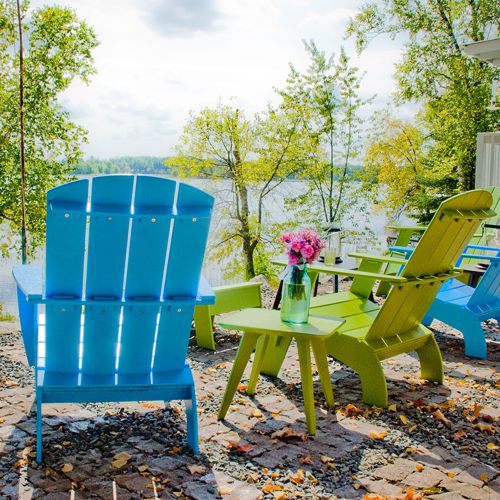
x,y
265,323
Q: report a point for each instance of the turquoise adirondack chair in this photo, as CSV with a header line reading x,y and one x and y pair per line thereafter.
x,y
464,307
122,278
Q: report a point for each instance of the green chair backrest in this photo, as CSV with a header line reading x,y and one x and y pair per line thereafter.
x,y
438,250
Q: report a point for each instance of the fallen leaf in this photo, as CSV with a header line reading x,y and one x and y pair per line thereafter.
x,y
484,427
403,419
118,464
298,478
224,490
484,477
269,487
151,406
477,410
279,495
419,467
492,446
438,415
67,468
451,474
142,468
378,435
459,435
326,459
122,456
236,447
197,469
392,408
351,410
288,434
220,365
305,460
274,475
256,413
413,428
242,387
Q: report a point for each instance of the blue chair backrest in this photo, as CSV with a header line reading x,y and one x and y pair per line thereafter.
x,y
118,246
488,288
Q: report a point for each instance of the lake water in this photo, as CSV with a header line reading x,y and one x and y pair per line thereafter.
x,y
212,270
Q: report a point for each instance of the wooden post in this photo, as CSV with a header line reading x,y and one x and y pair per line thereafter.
x,y
24,241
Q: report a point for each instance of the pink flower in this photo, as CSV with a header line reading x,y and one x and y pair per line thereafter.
x,y
307,251
302,246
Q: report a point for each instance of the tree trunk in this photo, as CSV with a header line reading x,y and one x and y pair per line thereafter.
x,y
246,236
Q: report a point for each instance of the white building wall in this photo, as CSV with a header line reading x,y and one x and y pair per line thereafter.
x,y
488,159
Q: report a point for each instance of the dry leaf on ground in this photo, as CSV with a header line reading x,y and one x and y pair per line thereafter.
x,y
197,469
378,435
67,468
288,434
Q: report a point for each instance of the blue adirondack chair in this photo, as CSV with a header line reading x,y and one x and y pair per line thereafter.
x,y
122,278
464,307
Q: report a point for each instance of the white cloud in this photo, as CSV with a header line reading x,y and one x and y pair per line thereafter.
x,y
158,59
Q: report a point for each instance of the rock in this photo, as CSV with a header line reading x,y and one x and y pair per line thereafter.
x,y
425,478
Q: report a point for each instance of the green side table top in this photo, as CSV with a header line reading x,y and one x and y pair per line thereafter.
x,y
268,321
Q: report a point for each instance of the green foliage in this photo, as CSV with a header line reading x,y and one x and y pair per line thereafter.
x,y
453,88
58,49
255,156
4,316
327,98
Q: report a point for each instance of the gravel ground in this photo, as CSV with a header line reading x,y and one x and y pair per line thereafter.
x,y
432,441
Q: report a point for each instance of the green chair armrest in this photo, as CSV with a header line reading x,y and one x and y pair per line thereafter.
x,y
377,258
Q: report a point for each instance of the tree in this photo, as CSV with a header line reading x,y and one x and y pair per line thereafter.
x,y
254,158
58,50
327,98
454,89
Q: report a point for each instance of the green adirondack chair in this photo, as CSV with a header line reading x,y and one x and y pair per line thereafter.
x,y
482,237
372,333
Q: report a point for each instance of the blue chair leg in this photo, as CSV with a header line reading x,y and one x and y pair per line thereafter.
x,y
474,339
38,428
192,422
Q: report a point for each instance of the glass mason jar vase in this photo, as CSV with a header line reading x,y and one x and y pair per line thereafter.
x,y
296,294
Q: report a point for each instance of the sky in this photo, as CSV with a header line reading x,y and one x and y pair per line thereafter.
x,y
159,59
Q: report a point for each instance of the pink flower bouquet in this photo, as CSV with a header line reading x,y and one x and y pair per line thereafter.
x,y
302,247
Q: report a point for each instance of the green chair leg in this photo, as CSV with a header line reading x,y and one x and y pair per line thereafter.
x,y
364,361
431,361
203,327
303,347
275,355
320,355
260,353
245,350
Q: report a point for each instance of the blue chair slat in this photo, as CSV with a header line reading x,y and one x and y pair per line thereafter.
x,y
107,250
108,237
146,266
173,337
62,337
149,237
66,241
489,286
186,251
137,338
64,270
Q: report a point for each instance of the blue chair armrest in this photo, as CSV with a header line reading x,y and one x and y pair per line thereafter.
x,y
206,295
482,247
29,294
493,258
406,250
28,278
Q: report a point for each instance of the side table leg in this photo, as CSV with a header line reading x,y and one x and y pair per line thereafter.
x,y
245,350
320,355
257,365
303,347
